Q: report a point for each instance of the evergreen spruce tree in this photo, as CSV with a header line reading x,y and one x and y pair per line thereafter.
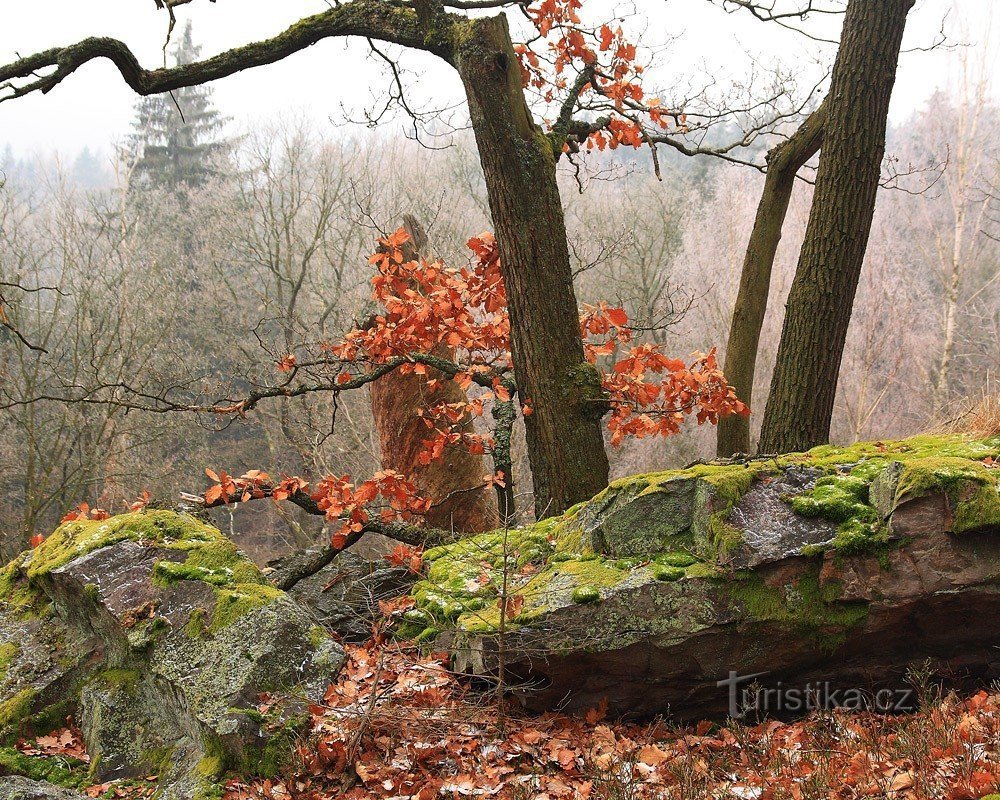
x,y
89,171
175,140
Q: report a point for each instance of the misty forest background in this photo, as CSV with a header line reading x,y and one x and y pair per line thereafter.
x,y
195,255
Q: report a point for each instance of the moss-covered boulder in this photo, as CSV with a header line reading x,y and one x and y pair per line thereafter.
x,y
188,635
841,564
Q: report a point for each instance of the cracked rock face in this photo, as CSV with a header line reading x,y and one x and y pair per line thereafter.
x,y
845,566
43,661
182,636
770,529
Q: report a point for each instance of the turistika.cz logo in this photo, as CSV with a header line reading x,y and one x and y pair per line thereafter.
x,y
749,695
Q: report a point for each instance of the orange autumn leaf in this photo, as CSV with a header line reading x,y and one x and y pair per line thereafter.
x,y
426,306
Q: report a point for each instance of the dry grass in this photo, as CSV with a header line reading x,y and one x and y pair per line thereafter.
x,y
980,416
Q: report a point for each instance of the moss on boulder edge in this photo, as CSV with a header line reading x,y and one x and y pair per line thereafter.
x,y
766,564
43,661
188,634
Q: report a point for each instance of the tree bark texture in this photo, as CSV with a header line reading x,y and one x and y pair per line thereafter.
x,y
565,444
818,313
783,163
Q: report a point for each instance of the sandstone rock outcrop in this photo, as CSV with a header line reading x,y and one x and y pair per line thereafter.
x,y
844,566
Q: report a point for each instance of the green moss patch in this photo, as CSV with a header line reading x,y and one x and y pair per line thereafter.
x,y
72,540
234,603
18,595
61,771
729,481
279,750
666,573
16,709
8,652
118,680
586,594
804,605
972,488
468,575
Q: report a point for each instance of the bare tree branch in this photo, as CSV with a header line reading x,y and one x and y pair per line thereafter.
x,y
413,535
386,20
9,328
123,395
768,12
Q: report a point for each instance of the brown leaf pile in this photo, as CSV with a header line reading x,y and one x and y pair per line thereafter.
x,y
401,725
397,725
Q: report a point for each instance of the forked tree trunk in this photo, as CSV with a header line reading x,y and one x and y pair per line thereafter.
x,y
804,385
783,163
455,484
565,445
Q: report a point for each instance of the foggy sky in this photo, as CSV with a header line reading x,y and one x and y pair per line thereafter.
x,y
335,79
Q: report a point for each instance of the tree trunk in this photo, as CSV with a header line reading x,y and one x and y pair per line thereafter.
x,y
455,483
783,163
952,286
818,313
565,445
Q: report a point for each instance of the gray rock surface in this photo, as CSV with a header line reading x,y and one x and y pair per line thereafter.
x,y
16,788
636,522
44,661
344,595
771,529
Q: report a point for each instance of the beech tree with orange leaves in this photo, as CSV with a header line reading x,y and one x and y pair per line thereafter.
x,y
584,75
461,500
428,308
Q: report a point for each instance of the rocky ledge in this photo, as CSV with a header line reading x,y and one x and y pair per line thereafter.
x,y
840,565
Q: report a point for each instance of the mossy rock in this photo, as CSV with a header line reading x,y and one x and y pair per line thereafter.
x,y
344,596
23,788
697,521
43,662
662,583
191,634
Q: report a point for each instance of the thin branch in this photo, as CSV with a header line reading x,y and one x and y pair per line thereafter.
x,y
123,395
766,12
285,579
